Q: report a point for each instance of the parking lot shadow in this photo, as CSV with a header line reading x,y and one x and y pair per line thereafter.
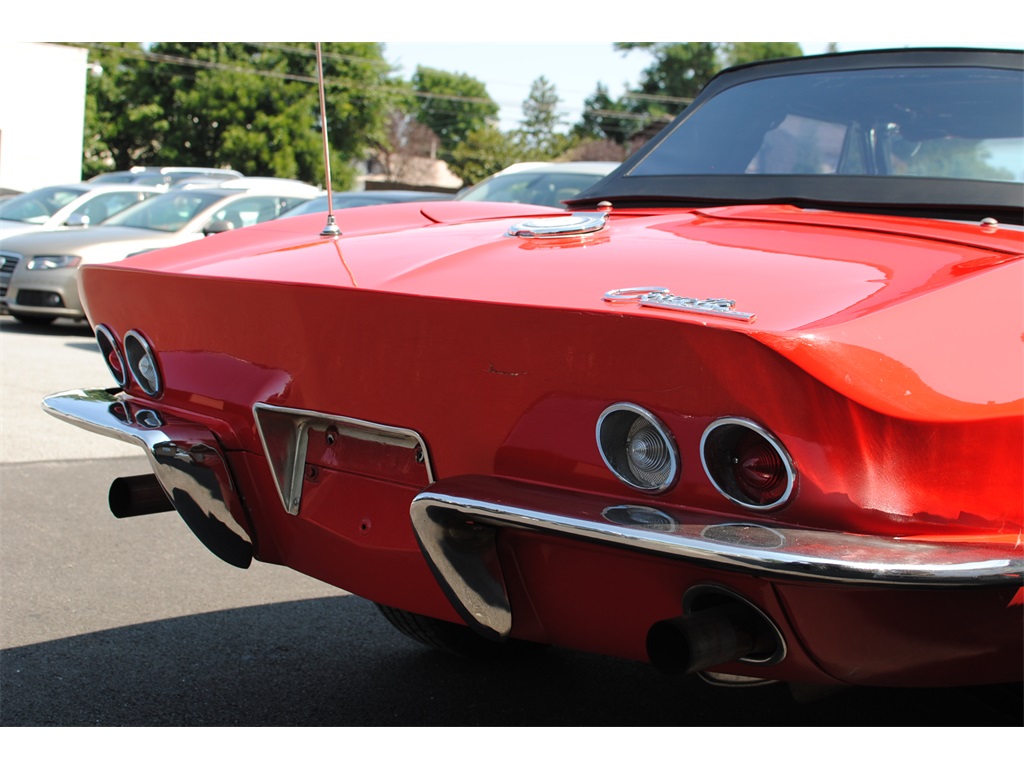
x,y
58,328
335,662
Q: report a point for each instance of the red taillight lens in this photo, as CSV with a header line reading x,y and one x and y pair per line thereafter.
x,y
758,470
747,464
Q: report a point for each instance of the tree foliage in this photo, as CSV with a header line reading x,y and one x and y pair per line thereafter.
x,y
608,119
483,152
118,130
251,107
681,70
452,105
538,130
747,53
254,107
677,74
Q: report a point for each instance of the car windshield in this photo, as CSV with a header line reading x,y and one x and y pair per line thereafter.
x,y
534,187
101,207
319,204
38,206
170,212
952,123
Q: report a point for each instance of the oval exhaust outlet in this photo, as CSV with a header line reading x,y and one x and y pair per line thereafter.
x,y
719,628
136,496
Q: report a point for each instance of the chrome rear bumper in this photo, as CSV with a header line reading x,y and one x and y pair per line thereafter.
x,y
457,521
186,459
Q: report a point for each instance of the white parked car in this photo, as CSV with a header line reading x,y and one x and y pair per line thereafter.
x,y
538,183
68,205
164,176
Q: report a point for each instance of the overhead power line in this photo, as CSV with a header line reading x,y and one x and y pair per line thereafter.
x,y
336,81
343,83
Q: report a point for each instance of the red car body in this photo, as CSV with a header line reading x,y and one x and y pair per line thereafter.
x,y
451,409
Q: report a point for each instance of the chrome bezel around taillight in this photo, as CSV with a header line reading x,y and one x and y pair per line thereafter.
x,y
110,348
142,363
613,429
724,430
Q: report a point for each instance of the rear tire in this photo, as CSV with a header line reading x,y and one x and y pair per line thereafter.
x,y
453,639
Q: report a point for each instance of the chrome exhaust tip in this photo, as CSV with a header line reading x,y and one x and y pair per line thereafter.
x,y
717,627
136,496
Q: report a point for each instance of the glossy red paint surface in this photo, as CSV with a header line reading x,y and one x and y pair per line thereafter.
x,y
828,289
886,356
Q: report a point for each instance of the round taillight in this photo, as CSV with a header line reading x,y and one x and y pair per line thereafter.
x,y
637,448
142,363
112,356
747,464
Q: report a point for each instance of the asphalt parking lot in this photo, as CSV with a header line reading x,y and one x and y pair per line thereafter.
x,y
108,622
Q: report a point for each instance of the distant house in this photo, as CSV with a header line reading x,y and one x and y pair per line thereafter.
x,y
423,173
42,114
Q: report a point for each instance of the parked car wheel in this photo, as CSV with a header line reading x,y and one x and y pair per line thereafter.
x,y
453,639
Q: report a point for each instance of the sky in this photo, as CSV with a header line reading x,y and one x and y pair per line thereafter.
x,y
509,45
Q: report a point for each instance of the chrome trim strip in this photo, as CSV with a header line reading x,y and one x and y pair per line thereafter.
x,y
463,557
446,510
186,458
284,433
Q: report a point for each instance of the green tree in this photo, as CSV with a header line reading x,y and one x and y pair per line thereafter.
x,y
452,105
746,53
677,74
487,150
118,130
253,107
683,69
484,151
606,119
679,69
538,134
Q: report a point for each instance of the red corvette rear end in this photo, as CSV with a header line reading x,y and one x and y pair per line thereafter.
x,y
744,436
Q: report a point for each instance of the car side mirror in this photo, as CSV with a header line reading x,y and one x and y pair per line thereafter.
x,y
215,227
77,220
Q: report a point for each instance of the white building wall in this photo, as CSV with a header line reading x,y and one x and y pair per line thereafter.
x,y
42,114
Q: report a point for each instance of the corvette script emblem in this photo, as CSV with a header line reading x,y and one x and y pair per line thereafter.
x,y
662,298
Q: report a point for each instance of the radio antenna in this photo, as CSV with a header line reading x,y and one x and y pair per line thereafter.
x,y
330,229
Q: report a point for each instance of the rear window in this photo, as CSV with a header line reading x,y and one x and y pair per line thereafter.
x,y
952,123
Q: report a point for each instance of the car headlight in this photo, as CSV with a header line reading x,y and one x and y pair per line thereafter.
x,y
58,261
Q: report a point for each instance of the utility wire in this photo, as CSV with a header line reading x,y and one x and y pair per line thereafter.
x,y
350,84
